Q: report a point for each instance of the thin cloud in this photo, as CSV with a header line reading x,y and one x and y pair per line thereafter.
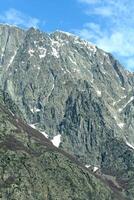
x,y
103,11
16,17
111,27
130,63
89,1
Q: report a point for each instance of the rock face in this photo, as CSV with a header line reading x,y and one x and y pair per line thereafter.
x,y
64,86
32,168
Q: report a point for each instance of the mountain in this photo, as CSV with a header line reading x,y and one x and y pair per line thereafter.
x,y
77,95
32,168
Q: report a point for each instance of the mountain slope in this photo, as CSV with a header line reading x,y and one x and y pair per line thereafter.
x,y
66,87
31,167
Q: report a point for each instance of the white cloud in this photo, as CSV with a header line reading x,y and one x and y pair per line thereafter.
x,y
111,27
89,1
15,17
103,11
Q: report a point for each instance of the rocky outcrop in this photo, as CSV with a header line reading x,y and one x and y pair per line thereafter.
x,y
32,168
65,86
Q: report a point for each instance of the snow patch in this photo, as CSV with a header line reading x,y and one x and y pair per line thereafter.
x,y
42,51
105,54
104,72
66,33
76,70
37,110
11,60
130,145
55,53
33,126
87,166
56,140
90,46
123,88
44,134
123,97
42,55
129,101
34,110
121,125
114,103
11,113
95,169
98,93
31,51
57,43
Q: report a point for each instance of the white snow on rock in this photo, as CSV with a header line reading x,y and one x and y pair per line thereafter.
x,y
130,145
42,52
95,169
66,33
123,88
56,43
76,70
42,55
98,93
56,140
74,62
123,97
115,102
92,48
89,46
37,110
87,166
2,55
55,53
129,101
35,42
34,110
121,125
33,126
31,51
11,60
104,72
44,134
11,113
104,54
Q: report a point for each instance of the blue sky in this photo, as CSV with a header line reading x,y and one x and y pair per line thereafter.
x,y
107,23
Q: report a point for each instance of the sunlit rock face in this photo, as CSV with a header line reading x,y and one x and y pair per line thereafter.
x,y
75,92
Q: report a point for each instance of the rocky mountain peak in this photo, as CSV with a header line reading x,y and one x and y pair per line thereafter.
x,y
75,94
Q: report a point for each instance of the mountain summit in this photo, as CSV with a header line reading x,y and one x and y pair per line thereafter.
x,y
77,96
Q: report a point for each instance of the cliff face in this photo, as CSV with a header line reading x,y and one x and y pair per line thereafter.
x,y
32,168
66,87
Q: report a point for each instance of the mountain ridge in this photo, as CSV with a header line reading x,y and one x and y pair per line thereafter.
x,y
65,86
19,142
